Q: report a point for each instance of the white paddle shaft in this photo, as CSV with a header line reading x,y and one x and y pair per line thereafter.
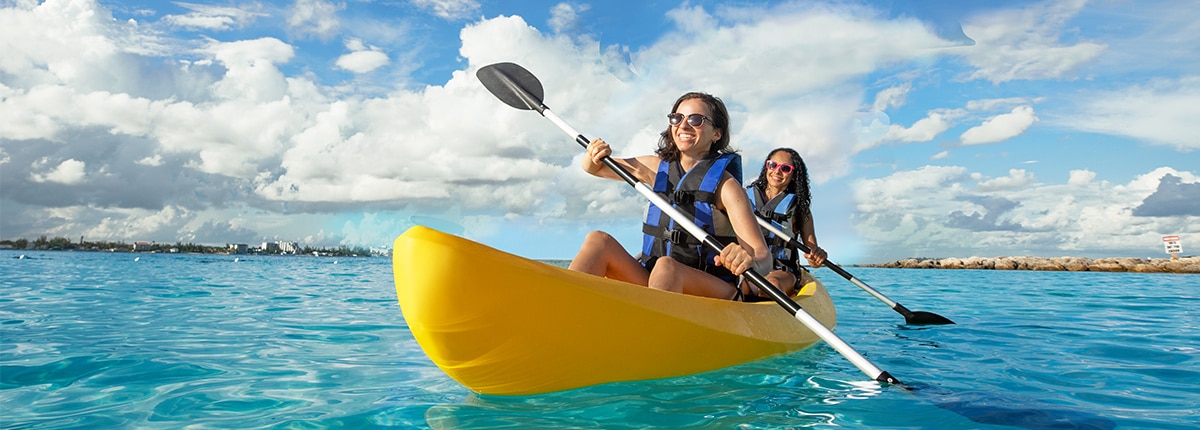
x,y
779,232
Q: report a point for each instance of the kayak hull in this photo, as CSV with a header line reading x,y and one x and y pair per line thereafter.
x,y
506,325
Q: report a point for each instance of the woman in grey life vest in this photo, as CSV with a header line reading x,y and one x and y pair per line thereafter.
x,y
781,195
694,169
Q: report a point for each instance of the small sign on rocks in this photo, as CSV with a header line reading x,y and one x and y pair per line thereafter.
x,y
1173,246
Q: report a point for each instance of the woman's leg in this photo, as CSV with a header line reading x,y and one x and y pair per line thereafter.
x,y
781,279
671,275
602,255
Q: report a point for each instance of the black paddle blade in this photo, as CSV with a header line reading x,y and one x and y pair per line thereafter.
x,y
919,317
926,318
513,85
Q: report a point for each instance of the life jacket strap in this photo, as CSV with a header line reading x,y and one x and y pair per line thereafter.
x,y
681,197
677,236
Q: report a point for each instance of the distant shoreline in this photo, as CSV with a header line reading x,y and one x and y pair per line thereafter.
x,y
1061,264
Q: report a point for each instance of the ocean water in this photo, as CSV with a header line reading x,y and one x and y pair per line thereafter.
x,y
100,340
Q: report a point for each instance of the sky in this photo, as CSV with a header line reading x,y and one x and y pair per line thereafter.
x,y
929,128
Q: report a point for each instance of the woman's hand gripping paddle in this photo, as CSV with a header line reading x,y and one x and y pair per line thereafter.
x,y
910,317
518,88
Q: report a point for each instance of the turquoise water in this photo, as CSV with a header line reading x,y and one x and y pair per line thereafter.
x,y
164,341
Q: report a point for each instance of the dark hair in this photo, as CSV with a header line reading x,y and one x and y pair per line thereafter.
x,y
720,120
798,186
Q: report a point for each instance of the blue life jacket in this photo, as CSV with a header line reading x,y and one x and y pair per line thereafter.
x,y
694,194
778,211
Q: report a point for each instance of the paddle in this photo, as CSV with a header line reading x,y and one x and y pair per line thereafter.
x,y
518,88
910,317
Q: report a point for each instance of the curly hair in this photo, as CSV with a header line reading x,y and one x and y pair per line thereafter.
x,y
720,120
798,186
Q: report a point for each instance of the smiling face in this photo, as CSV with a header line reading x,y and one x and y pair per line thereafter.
x,y
694,141
775,177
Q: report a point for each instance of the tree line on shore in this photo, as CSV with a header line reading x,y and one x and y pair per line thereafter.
x,y
64,244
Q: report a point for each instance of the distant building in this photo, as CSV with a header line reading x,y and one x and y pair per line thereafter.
x,y
270,247
288,247
238,248
141,246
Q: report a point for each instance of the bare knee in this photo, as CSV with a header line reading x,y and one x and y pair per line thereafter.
x,y
666,275
598,239
589,252
597,254
595,244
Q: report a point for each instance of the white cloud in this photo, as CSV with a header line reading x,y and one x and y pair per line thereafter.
x,y
70,42
925,129
362,61
207,22
1024,43
315,17
896,191
821,37
1081,177
987,105
229,139
913,212
891,98
123,223
564,17
209,17
251,71
1017,178
69,172
1000,127
19,121
154,160
449,9
939,121
1163,111
44,111
363,58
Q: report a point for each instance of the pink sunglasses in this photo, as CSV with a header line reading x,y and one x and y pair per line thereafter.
x,y
783,167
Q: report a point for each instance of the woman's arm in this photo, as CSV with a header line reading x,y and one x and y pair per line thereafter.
x,y
731,198
807,234
639,167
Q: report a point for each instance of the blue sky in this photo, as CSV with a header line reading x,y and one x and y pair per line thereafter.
x,y
930,128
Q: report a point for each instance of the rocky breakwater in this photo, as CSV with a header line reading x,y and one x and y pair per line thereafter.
x,y
1070,264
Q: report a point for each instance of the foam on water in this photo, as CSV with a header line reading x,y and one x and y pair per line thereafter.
x,y
156,340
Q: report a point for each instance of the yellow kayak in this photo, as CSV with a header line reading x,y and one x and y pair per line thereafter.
x,y
506,325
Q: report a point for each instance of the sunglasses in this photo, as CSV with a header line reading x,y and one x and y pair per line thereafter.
x,y
695,120
783,167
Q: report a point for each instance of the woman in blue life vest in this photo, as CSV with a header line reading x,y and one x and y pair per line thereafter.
x,y
693,169
781,195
